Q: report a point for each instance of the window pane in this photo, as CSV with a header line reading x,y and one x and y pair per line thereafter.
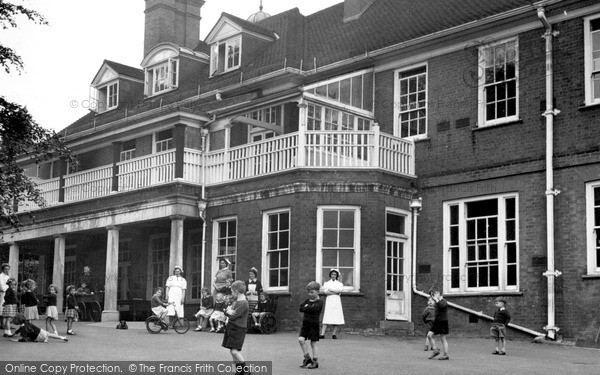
x,y
493,279
356,91
455,277
346,238
486,207
274,260
510,230
511,252
284,240
511,275
454,236
347,276
346,258
273,223
346,219
284,221
345,91
368,91
454,257
395,223
273,245
330,238
329,259
283,258
284,278
454,214
330,219
333,90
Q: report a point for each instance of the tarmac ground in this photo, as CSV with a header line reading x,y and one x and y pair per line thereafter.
x,y
350,354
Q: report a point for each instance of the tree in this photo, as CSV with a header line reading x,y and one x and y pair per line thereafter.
x,y
21,138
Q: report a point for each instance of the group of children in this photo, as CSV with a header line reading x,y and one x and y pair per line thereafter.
x,y
435,316
29,311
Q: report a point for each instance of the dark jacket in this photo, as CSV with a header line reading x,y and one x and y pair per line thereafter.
x,y
501,316
29,331
441,311
29,299
311,310
428,314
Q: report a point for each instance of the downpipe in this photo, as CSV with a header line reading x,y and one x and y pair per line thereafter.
x,y
551,273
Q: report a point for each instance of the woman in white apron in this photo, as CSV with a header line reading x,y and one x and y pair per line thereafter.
x,y
253,287
175,291
333,315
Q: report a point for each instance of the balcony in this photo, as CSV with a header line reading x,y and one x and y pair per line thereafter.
x,y
323,150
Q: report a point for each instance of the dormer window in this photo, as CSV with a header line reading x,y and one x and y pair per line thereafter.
x,y
225,55
162,77
107,97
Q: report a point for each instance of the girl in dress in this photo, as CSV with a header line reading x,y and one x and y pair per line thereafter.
x,y
176,286
9,309
51,309
333,315
29,300
218,314
72,312
206,309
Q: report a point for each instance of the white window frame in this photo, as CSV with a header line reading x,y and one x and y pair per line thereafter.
x,y
266,252
397,108
215,244
171,80
357,244
481,88
462,244
115,102
163,144
593,231
589,70
215,55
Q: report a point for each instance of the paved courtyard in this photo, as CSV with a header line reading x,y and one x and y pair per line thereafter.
x,y
351,354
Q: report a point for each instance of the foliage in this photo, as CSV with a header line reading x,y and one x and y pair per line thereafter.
x,y
8,18
22,140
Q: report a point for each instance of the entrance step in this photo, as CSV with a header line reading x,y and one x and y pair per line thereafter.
x,y
397,327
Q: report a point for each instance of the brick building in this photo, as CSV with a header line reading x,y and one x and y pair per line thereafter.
x,y
296,143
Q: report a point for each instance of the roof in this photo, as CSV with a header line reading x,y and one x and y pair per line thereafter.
x,y
125,70
324,38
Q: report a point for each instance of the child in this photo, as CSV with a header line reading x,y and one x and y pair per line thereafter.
x,y
440,324
264,305
29,300
218,315
206,309
498,329
9,309
223,320
158,305
51,309
32,333
72,311
235,331
428,316
311,308
122,324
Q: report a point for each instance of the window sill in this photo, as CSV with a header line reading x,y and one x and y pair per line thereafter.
x,y
152,96
585,106
508,123
483,294
422,139
591,276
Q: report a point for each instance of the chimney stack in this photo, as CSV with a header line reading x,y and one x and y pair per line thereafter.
x,y
354,8
175,21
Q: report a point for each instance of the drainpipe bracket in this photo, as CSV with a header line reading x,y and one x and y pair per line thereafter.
x,y
554,273
554,192
547,33
551,112
551,328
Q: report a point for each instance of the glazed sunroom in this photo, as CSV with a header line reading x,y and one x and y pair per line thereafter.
x,y
329,126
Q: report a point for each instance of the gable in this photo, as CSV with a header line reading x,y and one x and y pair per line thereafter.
x,y
223,29
105,74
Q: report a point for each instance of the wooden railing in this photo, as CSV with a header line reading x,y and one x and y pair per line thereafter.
x,y
49,190
88,184
303,149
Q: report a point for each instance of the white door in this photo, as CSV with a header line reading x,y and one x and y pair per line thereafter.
x,y
397,277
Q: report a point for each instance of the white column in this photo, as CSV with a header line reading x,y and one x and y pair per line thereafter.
x,y
301,155
376,146
110,313
13,260
226,155
176,249
58,270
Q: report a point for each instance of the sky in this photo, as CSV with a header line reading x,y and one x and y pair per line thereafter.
x,y
62,58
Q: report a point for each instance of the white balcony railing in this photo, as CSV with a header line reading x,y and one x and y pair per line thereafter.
x,y
49,190
91,183
303,149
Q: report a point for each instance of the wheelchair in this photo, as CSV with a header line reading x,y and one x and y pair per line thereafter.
x,y
267,322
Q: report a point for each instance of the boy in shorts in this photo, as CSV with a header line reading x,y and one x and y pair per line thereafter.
x,y
440,324
311,308
235,330
498,329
